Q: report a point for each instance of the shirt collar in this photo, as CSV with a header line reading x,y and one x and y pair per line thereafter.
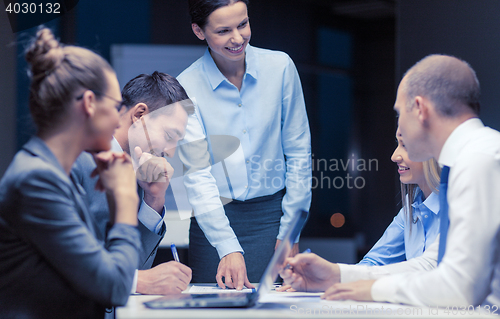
x,y
431,202
251,62
457,139
115,146
215,76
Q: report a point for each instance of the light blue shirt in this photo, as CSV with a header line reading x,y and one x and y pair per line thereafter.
x,y
268,117
399,243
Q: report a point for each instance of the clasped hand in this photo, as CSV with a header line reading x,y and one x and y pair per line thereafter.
x,y
114,170
117,178
152,169
153,175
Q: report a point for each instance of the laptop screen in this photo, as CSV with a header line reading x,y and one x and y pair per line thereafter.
x,y
277,262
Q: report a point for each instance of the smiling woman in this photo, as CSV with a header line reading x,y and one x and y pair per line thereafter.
x,y
416,226
254,95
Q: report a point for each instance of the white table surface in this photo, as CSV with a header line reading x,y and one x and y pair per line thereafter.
x,y
296,306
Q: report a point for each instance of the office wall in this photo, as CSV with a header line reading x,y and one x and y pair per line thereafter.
x,y
7,91
290,26
467,29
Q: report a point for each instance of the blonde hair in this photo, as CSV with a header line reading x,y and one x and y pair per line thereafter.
x,y
432,173
57,72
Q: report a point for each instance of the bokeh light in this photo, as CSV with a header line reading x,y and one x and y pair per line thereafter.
x,y
337,220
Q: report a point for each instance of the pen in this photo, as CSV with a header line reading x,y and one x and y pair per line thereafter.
x,y
217,285
174,252
288,266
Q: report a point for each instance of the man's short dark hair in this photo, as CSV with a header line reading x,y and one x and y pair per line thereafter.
x,y
156,91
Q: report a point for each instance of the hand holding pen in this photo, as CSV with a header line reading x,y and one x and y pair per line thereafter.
x,y
285,287
288,266
309,272
166,278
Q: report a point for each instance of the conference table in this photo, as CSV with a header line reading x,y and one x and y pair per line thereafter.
x,y
298,305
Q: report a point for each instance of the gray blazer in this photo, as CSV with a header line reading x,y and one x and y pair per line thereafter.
x,y
98,207
51,263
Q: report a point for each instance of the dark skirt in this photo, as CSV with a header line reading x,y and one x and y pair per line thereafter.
x,y
256,224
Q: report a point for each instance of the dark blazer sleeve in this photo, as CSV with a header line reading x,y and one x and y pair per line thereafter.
x,y
99,209
52,217
150,243
96,200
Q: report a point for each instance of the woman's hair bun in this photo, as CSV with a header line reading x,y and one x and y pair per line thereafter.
x,y
59,73
44,54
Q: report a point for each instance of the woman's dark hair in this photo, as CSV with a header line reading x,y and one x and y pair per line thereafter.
x,y
156,91
199,10
57,72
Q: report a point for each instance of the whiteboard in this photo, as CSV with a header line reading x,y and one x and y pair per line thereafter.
x,y
130,60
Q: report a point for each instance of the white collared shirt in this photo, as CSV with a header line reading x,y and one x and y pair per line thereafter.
x,y
463,277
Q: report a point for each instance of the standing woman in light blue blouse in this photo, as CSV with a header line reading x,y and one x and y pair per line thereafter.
x,y
416,226
256,96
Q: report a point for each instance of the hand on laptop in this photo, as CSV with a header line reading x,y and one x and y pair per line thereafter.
x,y
167,278
232,268
309,272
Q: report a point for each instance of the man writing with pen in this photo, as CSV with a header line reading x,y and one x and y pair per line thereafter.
x,y
152,120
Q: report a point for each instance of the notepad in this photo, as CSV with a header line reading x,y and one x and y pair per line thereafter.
x,y
212,289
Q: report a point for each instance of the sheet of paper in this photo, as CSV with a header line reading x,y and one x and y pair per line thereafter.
x,y
290,297
213,289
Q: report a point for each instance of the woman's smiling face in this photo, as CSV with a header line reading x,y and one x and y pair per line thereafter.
x,y
409,172
227,32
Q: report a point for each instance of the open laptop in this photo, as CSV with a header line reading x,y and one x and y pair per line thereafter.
x,y
243,299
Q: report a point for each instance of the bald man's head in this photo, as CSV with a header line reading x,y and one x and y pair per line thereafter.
x,y
450,83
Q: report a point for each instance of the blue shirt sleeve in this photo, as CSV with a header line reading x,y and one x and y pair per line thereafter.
x,y
390,248
202,190
296,141
150,218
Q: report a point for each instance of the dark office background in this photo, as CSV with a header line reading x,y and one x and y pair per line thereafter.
x,y
350,55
